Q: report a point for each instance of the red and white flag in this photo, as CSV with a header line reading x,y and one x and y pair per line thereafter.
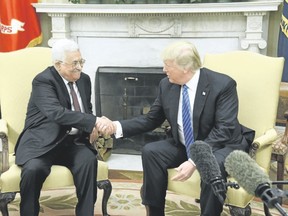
x,y
19,25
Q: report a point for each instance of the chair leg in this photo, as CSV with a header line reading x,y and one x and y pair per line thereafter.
x,y
107,187
5,199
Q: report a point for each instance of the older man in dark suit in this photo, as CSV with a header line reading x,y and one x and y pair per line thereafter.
x,y
57,130
213,109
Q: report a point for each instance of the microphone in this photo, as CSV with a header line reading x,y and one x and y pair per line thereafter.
x,y
249,175
208,168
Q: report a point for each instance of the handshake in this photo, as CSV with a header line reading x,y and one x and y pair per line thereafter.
x,y
103,126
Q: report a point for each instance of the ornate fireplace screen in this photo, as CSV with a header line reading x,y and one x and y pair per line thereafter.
x,y
126,92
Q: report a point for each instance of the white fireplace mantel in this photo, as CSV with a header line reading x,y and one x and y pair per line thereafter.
x,y
250,6
247,21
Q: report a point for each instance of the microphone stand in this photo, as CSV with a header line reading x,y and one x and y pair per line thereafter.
x,y
282,194
232,185
280,209
271,197
219,187
279,182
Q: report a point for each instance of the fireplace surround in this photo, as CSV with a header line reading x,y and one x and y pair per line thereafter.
x,y
124,93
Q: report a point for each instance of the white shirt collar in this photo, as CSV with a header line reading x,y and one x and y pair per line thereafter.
x,y
65,81
193,82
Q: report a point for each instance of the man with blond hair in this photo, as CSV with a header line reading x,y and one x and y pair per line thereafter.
x,y
211,101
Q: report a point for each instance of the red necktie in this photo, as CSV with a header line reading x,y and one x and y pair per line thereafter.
x,y
74,98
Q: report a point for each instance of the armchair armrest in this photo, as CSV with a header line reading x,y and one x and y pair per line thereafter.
x,y
3,127
263,146
266,139
4,144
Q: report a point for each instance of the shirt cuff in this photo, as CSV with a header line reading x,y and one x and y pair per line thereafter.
x,y
191,161
119,131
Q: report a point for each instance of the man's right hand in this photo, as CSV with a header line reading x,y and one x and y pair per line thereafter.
x,y
105,126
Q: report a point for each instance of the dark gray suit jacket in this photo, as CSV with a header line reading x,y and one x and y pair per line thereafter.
x,y
49,117
214,114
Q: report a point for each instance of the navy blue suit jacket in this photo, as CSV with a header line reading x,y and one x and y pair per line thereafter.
x,y
214,114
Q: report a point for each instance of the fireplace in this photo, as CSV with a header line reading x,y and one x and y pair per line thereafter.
x,y
124,93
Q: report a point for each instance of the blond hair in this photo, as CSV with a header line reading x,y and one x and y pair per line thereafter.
x,y
184,54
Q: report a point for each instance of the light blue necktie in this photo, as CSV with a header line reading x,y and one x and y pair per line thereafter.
x,y
186,118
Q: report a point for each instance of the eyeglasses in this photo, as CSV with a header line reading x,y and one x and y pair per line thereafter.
x,y
75,63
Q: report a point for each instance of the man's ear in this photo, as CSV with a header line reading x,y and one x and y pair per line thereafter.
x,y
186,70
57,65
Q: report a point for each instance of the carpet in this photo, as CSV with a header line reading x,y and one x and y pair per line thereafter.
x,y
124,201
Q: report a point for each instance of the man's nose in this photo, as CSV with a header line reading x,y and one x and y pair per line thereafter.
x,y
164,70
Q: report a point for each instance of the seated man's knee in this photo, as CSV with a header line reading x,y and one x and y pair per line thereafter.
x,y
147,150
33,169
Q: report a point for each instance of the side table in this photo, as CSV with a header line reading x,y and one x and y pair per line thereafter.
x,y
279,152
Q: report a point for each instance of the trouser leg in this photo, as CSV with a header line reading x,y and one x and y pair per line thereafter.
x,y
153,210
34,173
210,205
83,164
157,157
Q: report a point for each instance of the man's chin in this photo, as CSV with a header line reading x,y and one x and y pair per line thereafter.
x,y
76,76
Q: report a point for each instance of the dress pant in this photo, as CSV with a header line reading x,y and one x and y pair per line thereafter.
x,y
82,163
157,157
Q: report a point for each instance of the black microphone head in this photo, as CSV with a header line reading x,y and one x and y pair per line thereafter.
x,y
206,163
246,171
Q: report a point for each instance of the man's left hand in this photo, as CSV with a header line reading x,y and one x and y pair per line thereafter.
x,y
184,171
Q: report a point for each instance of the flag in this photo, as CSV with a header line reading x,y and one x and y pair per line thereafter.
x,y
19,25
283,40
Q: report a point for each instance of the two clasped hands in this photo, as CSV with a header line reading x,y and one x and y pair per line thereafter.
x,y
103,126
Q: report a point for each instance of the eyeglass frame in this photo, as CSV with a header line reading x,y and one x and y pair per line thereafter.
x,y
75,63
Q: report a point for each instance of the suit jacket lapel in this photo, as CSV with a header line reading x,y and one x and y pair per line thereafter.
x,y
174,96
202,93
63,87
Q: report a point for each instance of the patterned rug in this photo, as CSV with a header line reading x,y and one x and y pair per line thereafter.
x,y
124,201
